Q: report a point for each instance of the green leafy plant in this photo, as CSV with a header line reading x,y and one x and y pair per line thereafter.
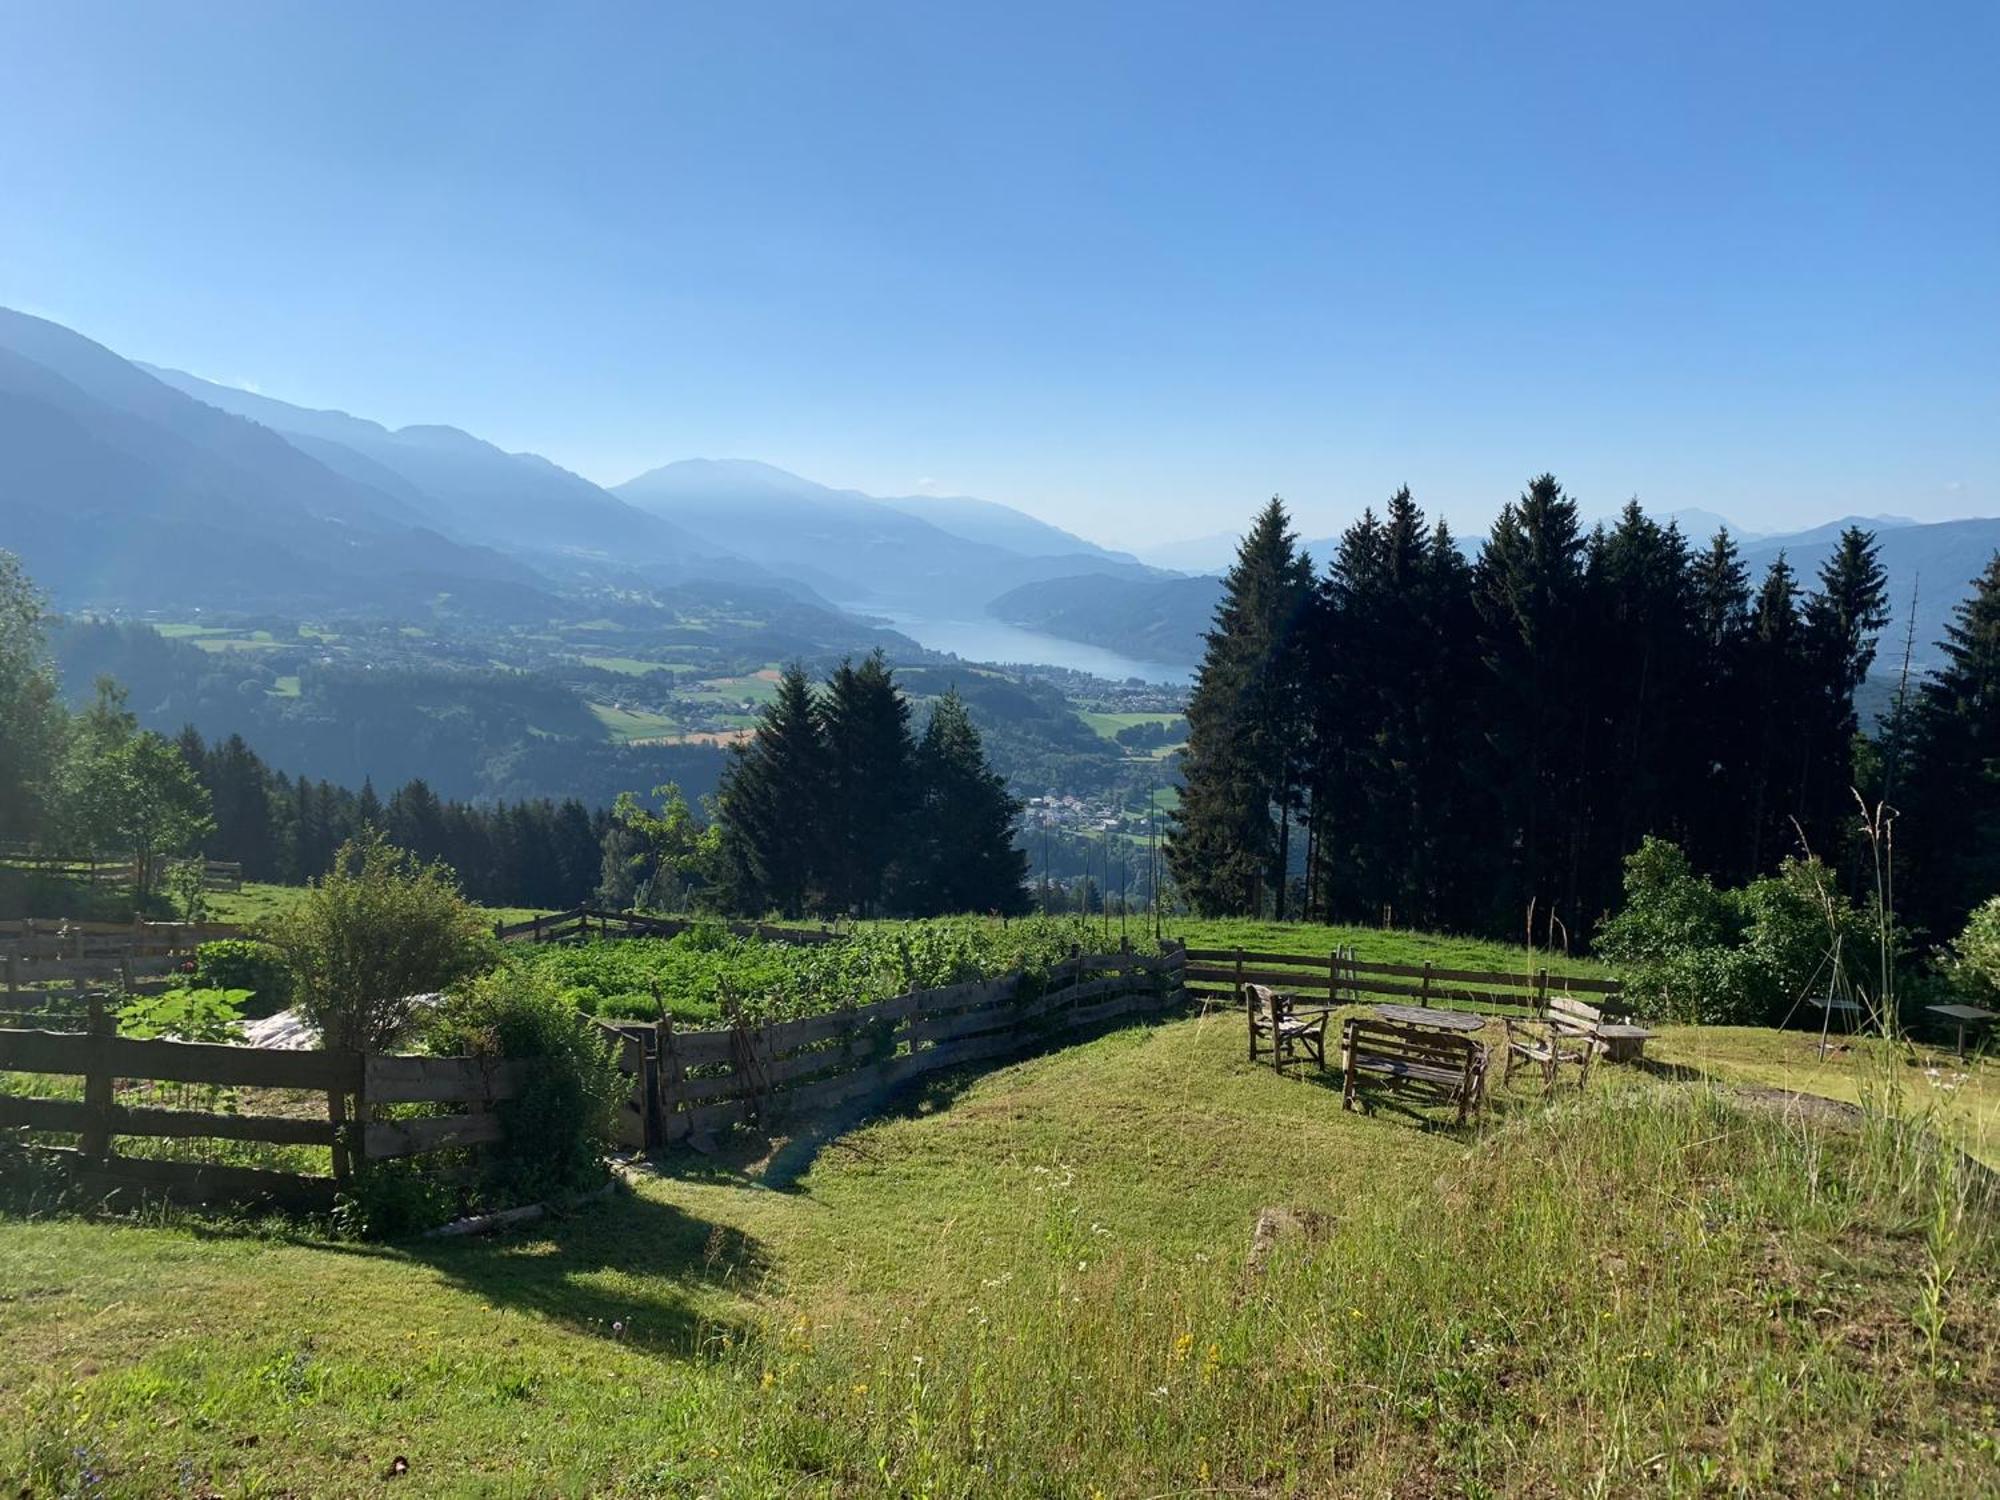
x,y
380,931
192,1015
559,1126
244,963
1973,960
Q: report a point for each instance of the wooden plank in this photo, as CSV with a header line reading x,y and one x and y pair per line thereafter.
x,y
178,1062
696,1049
196,1182
392,1079
386,1138
179,1124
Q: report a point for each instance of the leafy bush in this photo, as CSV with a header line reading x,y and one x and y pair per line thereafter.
x,y
558,1128
245,964
379,931
1973,961
198,1015
390,1199
1746,957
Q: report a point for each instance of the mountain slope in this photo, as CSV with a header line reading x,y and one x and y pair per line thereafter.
x,y
846,544
469,486
1156,619
995,525
118,490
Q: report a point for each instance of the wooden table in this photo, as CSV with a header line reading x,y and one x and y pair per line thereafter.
x,y
1438,1020
1962,1016
1619,1041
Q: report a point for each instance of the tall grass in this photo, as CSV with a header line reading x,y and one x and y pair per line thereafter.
x,y
1639,1291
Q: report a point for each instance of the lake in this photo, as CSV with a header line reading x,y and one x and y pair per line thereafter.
x,y
991,640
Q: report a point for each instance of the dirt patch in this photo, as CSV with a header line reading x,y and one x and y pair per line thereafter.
x,y
1274,1224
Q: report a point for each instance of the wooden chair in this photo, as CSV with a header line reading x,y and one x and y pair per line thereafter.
x,y
1568,1032
1278,1028
1439,1066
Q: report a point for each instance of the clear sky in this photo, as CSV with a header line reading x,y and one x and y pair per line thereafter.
x,y
1131,267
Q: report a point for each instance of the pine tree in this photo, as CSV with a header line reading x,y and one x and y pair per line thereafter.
x,y
1775,669
773,807
1529,590
1949,836
1843,621
867,797
1719,708
964,855
1245,764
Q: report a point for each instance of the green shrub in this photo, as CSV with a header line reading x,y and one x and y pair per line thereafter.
x,y
1747,957
245,964
391,1199
559,1127
1973,961
380,930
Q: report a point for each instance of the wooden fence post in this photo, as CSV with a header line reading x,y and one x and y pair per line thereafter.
x,y
1426,997
666,1080
336,1114
97,1082
1541,992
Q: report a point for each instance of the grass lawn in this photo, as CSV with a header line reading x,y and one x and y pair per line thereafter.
x,y
258,900
1041,1281
1377,945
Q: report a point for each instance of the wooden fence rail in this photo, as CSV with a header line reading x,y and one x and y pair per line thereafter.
x,y
687,1085
580,923
1343,979
349,1086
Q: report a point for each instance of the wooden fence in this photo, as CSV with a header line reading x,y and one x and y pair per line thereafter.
x,y
218,875
59,937
1343,980
582,923
687,1085
350,1088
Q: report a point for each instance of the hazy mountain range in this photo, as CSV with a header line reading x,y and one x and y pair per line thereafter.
x,y
129,486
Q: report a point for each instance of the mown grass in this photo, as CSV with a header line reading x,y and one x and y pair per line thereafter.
x,y
1386,945
258,900
1040,1282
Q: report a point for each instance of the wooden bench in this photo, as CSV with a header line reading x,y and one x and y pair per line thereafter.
x,y
1279,1029
1570,1031
1443,1066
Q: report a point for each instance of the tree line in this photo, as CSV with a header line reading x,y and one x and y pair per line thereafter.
x,y
1457,742
833,806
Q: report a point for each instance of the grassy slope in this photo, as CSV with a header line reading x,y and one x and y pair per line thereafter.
x,y
1040,1286
258,900
1382,945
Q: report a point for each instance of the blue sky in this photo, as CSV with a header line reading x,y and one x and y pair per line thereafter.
x,y
1130,267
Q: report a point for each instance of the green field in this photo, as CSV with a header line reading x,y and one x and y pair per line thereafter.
x,y
258,900
630,666
1042,1281
626,724
1107,725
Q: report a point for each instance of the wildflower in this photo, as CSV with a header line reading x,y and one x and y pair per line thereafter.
x,y
1182,1346
1203,1471
769,1380
861,1390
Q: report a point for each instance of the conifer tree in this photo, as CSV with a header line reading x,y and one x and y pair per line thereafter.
x,y
1842,622
1775,671
32,720
1529,589
1244,767
773,806
964,858
1950,833
867,796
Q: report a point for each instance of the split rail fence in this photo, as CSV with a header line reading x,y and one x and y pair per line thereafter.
x,y
217,875
37,957
1221,973
582,923
352,1104
689,1085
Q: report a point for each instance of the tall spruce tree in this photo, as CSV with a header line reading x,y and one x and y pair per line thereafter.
x,y
1949,836
1719,707
963,854
1245,764
773,806
32,720
868,785
1529,588
1842,622
1775,670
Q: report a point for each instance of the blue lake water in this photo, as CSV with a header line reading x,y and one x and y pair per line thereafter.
x,y
991,640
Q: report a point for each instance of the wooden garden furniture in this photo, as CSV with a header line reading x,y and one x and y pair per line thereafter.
x,y
1280,1030
1964,1017
1440,1066
1572,1032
